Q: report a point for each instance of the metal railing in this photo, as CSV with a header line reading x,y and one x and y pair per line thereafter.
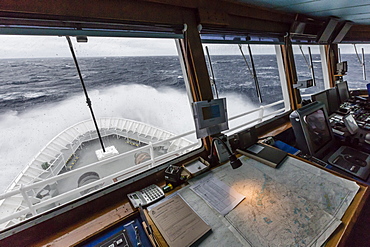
x,y
32,208
261,115
29,204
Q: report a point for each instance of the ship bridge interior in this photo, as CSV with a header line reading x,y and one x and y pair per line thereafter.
x,y
318,74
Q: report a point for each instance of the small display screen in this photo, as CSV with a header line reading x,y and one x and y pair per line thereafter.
x,y
210,117
210,112
350,123
318,129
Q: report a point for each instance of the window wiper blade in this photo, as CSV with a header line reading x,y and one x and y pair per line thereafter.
x,y
252,71
309,64
88,101
213,81
362,63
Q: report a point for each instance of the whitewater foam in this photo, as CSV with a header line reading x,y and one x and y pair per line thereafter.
x,y
25,134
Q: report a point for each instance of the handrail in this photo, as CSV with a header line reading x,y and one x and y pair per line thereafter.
x,y
256,110
88,167
103,162
57,198
255,120
103,124
123,174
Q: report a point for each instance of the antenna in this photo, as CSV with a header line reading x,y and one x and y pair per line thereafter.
x,y
88,101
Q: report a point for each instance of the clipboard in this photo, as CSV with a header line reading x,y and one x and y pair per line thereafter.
x,y
178,223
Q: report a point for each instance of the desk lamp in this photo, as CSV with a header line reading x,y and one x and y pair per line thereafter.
x,y
234,162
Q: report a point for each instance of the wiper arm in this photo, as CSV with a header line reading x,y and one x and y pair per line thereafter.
x,y
252,71
309,64
213,81
88,101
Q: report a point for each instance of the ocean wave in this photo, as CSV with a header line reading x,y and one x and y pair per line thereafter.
x,y
34,95
57,78
20,82
247,83
267,68
67,66
272,76
9,96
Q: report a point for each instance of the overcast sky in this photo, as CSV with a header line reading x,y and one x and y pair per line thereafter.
x,y
41,46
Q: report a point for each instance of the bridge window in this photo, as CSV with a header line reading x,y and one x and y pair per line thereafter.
x,y
357,58
308,68
249,86
139,99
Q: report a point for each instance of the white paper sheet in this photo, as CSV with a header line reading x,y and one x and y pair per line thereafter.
x,y
217,194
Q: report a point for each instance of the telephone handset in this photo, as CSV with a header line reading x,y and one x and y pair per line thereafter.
x,y
146,196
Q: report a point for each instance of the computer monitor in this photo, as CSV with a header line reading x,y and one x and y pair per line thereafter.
x,y
312,129
323,98
329,98
333,100
210,117
314,137
343,92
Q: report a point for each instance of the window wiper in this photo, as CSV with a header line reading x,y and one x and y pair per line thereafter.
x,y
362,63
252,71
88,101
309,64
213,80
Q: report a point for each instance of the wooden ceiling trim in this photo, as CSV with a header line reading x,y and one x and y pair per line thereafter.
x,y
258,25
232,7
255,12
358,33
114,11
227,14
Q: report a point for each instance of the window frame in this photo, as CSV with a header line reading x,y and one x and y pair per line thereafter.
x,y
111,189
283,83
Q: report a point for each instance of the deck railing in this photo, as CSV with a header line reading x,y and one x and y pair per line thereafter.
x,y
264,112
25,200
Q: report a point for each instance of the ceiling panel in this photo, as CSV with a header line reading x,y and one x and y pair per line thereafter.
x,y
356,10
360,18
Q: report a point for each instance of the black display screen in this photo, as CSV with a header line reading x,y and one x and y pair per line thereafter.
x,y
212,111
318,129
